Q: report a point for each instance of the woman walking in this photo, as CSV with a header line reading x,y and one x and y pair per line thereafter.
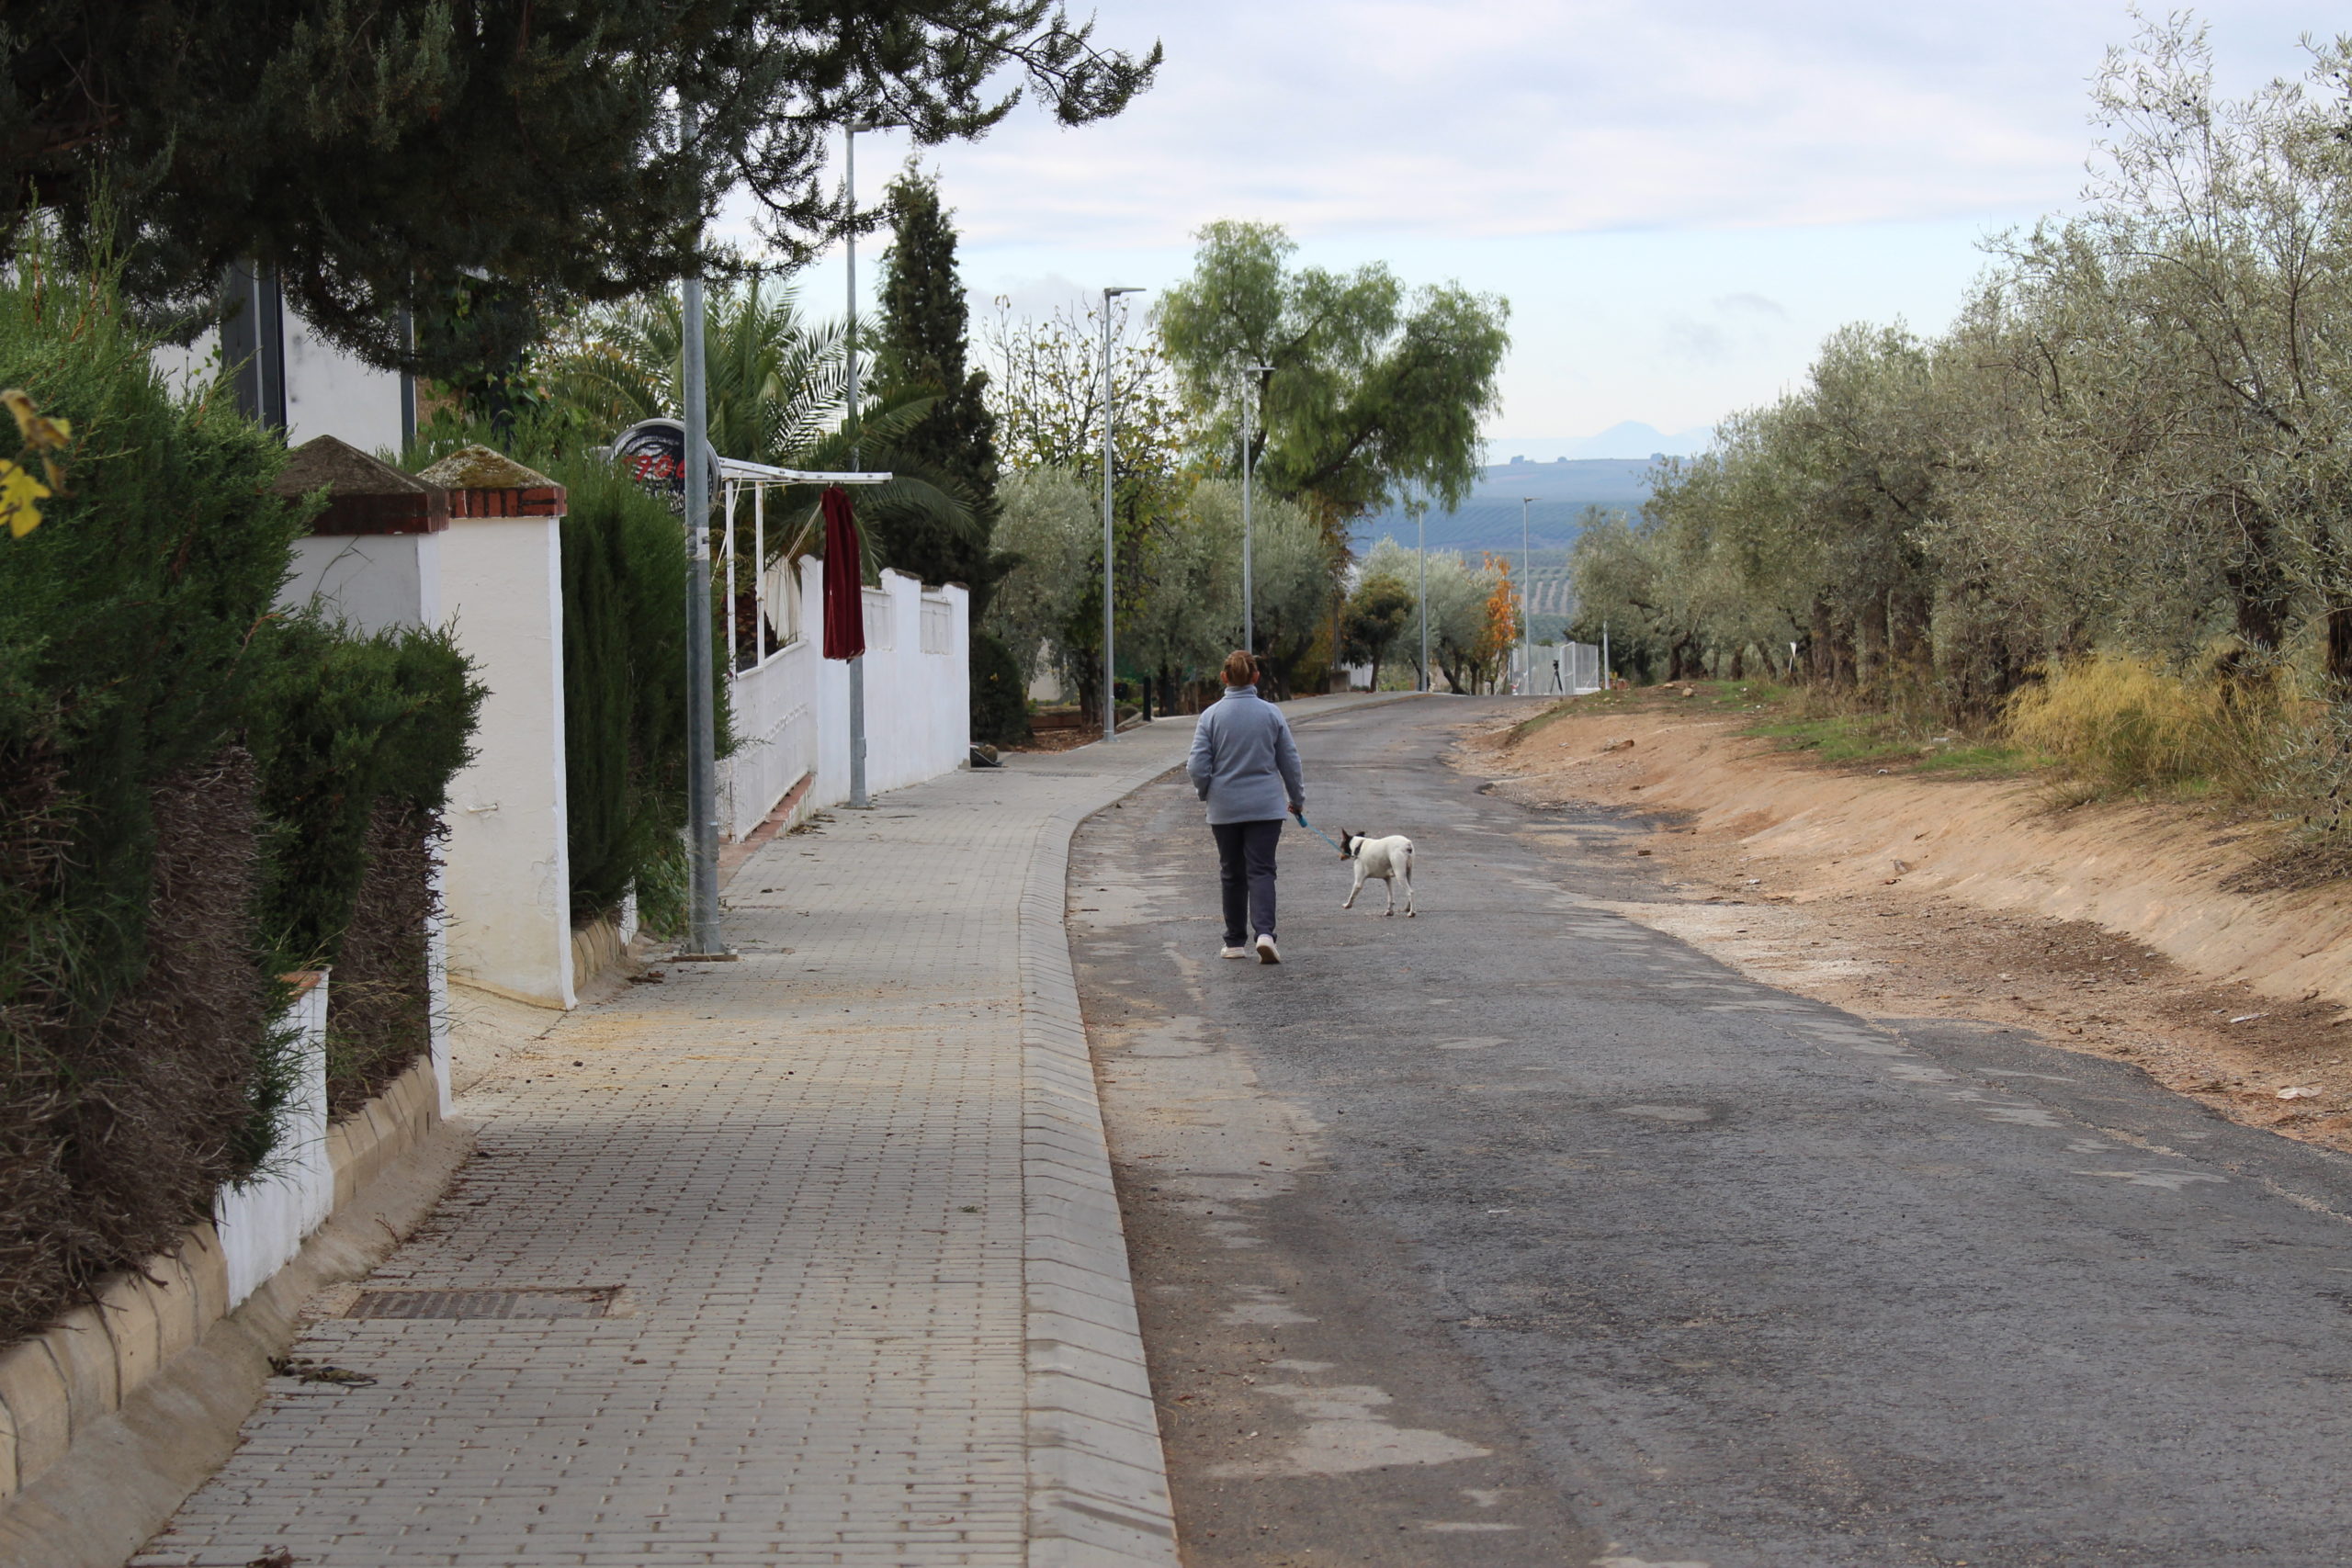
x,y
1245,765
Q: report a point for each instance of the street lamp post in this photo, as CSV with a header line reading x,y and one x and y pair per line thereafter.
x,y
702,760
1248,488
1526,605
857,797
1110,701
1421,549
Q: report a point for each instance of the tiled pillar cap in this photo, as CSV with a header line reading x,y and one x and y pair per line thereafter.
x,y
484,483
365,496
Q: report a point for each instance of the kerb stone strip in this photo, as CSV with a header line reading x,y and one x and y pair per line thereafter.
x,y
1098,1482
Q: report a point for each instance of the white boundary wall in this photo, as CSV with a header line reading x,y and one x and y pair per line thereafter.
x,y
263,1222
918,703
506,870
791,712
373,580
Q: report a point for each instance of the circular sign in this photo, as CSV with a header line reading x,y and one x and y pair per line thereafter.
x,y
653,453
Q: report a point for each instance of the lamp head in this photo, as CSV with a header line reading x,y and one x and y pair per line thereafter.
x,y
1117,289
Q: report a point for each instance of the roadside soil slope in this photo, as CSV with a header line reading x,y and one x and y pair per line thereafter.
x,y
2106,929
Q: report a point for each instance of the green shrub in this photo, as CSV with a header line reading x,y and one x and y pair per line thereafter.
x,y
1000,697
188,786
625,694
134,995
343,723
357,739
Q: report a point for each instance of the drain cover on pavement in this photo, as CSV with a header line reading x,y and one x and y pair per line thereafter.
x,y
481,1303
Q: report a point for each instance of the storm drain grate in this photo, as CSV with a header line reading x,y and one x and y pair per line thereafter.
x,y
481,1303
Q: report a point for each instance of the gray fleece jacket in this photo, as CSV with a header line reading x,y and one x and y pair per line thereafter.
x,y
1244,762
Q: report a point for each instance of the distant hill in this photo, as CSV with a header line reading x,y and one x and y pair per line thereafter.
x,y
1489,519
1629,439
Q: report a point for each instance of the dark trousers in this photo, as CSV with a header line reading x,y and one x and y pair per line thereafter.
x,y
1245,854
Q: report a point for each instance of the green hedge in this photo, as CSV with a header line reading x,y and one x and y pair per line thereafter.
x,y
624,689
357,739
999,698
181,773
342,724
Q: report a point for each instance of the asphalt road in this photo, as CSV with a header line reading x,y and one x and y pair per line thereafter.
x,y
1520,1233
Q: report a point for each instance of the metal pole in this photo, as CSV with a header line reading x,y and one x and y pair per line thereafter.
x,y
1526,604
1248,490
702,762
1421,549
858,800
1110,699
1604,657
1248,578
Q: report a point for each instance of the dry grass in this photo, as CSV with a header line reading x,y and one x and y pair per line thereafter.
x,y
2248,733
2120,726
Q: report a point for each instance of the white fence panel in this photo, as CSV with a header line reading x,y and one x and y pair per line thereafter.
x,y
1562,669
775,713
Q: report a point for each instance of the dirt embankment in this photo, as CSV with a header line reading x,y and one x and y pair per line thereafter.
x,y
2106,929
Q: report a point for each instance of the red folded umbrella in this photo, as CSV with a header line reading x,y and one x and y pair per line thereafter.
x,y
844,587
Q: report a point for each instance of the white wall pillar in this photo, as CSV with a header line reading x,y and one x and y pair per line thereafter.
x,y
507,866
263,1220
373,557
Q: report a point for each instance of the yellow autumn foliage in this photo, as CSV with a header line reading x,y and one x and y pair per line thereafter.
x,y
19,492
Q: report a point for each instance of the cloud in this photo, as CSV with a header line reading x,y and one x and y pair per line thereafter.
x,y
1744,325
1694,341
1679,196
1039,297
1403,115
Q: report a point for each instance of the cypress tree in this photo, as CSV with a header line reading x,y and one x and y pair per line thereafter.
x,y
922,353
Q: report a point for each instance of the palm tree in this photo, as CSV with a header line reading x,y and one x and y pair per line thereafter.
x,y
777,392
774,380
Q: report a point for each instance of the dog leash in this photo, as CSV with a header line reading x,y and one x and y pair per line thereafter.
x,y
1322,835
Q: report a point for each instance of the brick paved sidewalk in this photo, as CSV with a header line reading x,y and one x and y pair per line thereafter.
x,y
871,1301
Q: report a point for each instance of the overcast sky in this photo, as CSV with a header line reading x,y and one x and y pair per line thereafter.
x,y
1679,197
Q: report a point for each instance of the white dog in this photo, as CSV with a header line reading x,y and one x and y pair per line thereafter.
x,y
1389,859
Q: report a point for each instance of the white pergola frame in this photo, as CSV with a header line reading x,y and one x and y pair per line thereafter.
x,y
735,476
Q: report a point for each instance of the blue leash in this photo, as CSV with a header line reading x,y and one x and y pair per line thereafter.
x,y
1320,834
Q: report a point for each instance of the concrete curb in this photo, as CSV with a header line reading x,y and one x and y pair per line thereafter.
x,y
1098,1482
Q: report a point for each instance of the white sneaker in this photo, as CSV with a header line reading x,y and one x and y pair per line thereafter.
x,y
1267,952
1233,953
